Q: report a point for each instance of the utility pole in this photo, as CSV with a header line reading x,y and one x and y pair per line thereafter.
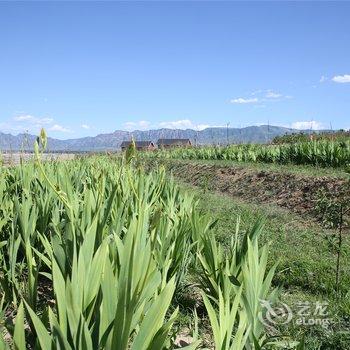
x,y
311,136
240,134
227,125
332,136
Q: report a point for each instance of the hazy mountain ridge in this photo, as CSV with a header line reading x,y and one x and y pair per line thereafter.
x,y
112,141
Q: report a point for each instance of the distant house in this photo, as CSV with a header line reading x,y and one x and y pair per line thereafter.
x,y
140,145
172,143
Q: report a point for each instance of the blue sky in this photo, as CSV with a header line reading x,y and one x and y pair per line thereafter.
x,y
85,68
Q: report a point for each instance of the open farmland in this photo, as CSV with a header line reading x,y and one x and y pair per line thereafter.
x,y
163,263
174,175
300,235
96,253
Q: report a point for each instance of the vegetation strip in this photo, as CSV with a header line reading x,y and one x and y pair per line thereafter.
x,y
324,153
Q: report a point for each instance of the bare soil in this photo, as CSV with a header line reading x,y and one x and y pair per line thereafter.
x,y
296,192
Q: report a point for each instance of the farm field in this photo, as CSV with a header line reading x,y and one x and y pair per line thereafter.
x,y
97,253
198,261
286,196
306,268
175,175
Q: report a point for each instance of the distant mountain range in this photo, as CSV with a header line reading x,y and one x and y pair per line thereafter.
x,y
112,141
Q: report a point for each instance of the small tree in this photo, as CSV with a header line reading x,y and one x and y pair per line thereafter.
x,y
333,215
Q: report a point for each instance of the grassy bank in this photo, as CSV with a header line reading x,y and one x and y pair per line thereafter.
x,y
306,269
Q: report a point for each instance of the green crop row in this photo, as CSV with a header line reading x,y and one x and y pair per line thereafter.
x,y
322,153
338,136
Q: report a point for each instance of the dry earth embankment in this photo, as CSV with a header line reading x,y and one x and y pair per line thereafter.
x,y
293,191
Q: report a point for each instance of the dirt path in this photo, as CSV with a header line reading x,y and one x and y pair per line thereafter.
x,y
295,192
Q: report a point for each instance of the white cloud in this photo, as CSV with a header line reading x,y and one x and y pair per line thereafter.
x,y
323,79
172,124
342,78
261,96
60,128
257,92
183,124
177,124
85,126
27,123
241,100
32,119
200,127
12,127
23,122
314,125
140,125
144,124
272,94
20,118
130,125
